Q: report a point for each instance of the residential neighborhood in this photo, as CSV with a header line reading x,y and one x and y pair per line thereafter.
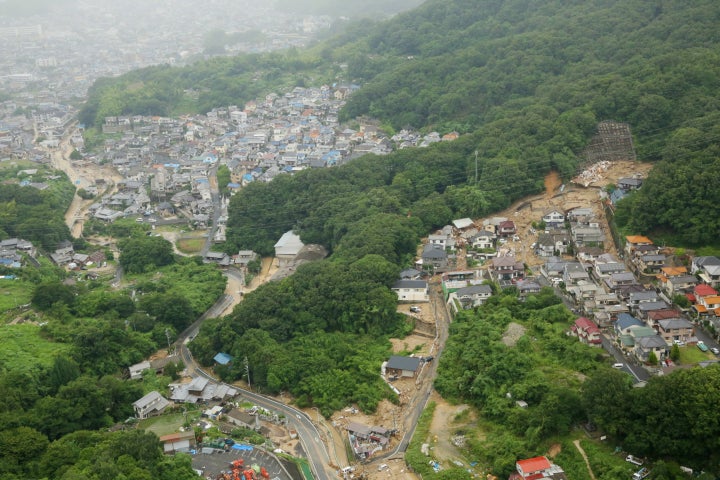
x,y
629,299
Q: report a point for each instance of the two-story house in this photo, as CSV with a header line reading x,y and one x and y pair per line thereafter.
x,y
574,273
151,404
434,258
552,243
672,329
634,241
653,343
553,218
586,331
506,229
411,291
681,284
472,295
709,305
484,239
708,269
506,269
651,263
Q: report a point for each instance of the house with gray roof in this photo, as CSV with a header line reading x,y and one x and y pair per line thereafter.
x,y
403,366
643,309
574,273
434,258
636,298
680,284
708,269
617,281
671,329
553,267
652,343
472,295
287,248
411,290
151,404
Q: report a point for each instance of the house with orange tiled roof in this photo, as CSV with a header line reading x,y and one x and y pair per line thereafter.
x,y
537,468
709,305
703,290
634,241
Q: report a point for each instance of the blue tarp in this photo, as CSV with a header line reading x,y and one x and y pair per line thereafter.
x,y
239,446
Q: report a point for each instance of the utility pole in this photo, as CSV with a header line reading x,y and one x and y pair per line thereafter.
x,y
247,372
167,335
476,167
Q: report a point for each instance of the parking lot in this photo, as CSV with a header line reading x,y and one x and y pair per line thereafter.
x,y
214,464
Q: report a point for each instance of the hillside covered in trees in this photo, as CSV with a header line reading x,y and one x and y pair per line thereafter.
x,y
529,79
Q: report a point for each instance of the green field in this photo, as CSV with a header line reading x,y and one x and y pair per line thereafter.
x,y
14,293
22,348
164,424
691,354
190,245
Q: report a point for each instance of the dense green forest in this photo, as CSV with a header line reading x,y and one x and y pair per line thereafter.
x,y
564,384
32,214
61,368
528,79
320,334
680,201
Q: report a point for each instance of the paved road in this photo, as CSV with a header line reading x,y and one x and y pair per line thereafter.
x,y
442,322
309,436
215,195
630,366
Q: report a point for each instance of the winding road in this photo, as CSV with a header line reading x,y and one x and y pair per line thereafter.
x,y
310,437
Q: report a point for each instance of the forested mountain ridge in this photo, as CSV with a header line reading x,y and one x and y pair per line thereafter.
x,y
530,79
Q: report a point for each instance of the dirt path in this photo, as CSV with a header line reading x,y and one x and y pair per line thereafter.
x,y
236,289
582,452
82,174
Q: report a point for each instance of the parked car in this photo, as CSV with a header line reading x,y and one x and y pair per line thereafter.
x,y
679,343
640,474
701,345
715,350
415,309
618,365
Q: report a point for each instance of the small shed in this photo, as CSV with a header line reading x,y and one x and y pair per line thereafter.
x,y
178,442
222,358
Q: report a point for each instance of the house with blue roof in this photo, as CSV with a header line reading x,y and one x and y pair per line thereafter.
x,y
222,358
625,323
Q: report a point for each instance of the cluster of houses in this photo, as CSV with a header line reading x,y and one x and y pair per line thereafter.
x,y
642,316
631,296
65,256
166,162
199,391
14,250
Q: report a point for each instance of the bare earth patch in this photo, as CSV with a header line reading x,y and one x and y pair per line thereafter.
x,y
447,420
513,333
